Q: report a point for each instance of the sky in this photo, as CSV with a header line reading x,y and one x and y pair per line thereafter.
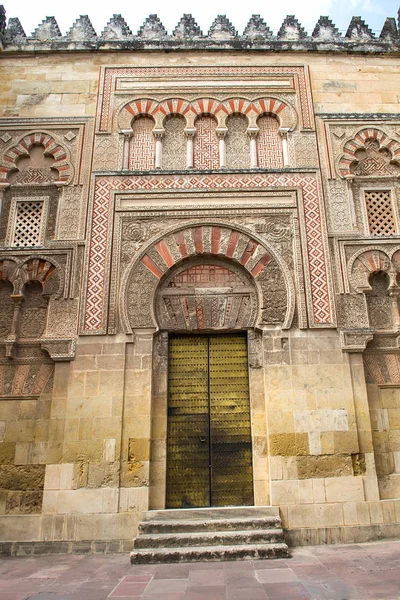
x,y
31,13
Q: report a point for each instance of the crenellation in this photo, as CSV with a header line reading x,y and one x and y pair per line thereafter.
x,y
222,35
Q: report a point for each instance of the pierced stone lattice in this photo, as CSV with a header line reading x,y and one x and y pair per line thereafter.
x,y
28,223
174,144
237,143
269,145
381,219
205,147
142,146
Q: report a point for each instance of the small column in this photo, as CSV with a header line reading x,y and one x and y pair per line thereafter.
x,y
253,133
221,133
127,133
11,339
351,202
159,134
283,131
3,187
189,133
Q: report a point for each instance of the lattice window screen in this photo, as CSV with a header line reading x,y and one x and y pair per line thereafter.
x,y
28,221
381,218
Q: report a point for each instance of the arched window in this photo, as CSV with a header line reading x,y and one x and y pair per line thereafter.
x,y
269,143
237,143
205,146
174,143
33,311
379,302
142,145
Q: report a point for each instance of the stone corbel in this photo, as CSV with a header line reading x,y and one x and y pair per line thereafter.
x,y
355,340
59,349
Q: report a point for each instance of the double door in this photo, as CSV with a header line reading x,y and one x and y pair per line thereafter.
x,y
209,451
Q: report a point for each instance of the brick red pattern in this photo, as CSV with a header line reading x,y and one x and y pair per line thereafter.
x,y
269,144
142,145
197,236
112,74
205,146
97,285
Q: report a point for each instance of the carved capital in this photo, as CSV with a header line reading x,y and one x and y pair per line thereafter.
x,y
253,132
59,349
355,340
189,133
221,132
127,133
10,346
158,133
283,131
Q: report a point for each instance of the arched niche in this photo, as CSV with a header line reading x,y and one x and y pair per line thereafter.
x,y
258,260
206,293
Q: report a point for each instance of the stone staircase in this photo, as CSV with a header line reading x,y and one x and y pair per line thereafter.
x,y
207,534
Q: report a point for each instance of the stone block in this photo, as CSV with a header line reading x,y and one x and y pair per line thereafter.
x,y
288,444
319,490
310,467
275,466
363,514
104,474
376,512
328,515
350,515
344,489
52,477
7,453
109,450
82,501
305,492
302,515
284,492
133,499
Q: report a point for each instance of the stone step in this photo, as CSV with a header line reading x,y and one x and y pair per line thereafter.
x,y
189,525
207,538
209,553
223,512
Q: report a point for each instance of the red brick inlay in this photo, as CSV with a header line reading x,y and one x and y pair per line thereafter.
x,y
249,251
180,241
165,254
215,239
146,260
264,260
198,239
233,240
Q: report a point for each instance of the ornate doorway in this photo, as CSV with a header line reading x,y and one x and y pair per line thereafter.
x,y
209,449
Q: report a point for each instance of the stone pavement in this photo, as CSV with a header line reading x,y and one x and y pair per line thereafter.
x,y
356,572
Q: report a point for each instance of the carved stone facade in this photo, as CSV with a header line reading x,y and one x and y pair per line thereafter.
x,y
188,191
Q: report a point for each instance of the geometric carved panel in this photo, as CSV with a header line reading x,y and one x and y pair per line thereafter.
x,y
269,144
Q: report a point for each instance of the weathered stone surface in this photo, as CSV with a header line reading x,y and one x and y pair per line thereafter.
x,y
211,534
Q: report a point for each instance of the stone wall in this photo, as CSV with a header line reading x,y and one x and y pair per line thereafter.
x,y
88,303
